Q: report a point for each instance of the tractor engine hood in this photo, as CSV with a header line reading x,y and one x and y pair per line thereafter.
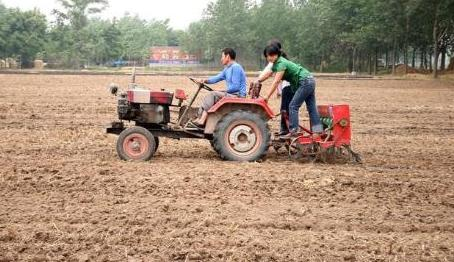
x,y
143,96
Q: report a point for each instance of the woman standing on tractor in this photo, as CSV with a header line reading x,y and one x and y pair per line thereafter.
x,y
303,85
284,89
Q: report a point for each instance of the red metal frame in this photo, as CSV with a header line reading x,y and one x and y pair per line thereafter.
x,y
340,133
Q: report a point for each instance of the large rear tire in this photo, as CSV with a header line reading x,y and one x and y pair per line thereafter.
x,y
136,144
242,136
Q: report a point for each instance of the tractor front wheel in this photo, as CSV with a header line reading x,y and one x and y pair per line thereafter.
x,y
136,144
242,136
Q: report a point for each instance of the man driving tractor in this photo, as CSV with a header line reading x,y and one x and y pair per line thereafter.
x,y
235,77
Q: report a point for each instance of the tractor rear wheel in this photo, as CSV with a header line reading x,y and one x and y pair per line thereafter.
x,y
136,144
242,136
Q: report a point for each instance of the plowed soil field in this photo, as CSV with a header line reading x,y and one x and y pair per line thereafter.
x,y
66,196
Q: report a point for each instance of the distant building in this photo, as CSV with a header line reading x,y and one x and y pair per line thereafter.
x,y
167,55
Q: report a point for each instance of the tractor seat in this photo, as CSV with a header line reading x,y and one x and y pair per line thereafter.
x,y
180,95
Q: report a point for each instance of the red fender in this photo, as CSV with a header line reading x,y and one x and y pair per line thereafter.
x,y
243,101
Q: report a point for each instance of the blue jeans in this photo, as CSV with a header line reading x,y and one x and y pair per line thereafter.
x,y
286,98
305,93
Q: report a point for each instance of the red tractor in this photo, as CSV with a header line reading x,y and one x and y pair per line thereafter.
x,y
236,127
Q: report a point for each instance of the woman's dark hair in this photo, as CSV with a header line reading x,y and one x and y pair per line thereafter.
x,y
272,50
230,52
277,43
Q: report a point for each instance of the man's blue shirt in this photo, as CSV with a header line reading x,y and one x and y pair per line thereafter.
x,y
235,77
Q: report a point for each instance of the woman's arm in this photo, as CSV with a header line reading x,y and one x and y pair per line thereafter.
x,y
265,76
266,73
277,80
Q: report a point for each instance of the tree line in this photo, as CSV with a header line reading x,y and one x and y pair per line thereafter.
x,y
324,35
74,39
337,35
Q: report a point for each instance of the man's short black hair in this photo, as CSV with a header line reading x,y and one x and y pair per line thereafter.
x,y
230,52
272,50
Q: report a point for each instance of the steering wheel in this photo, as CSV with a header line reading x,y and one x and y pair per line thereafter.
x,y
202,85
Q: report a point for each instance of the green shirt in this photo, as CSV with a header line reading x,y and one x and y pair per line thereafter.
x,y
293,73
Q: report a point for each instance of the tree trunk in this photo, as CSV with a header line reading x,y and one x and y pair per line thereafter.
x,y
393,56
451,64
443,59
364,58
413,59
407,29
375,61
430,62
386,60
435,40
370,64
406,59
359,62
425,60
354,60
422,57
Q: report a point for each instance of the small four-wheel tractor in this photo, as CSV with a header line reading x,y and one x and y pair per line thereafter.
x,y
237,128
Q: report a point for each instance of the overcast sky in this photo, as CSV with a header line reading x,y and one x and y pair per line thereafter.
x,y
180,12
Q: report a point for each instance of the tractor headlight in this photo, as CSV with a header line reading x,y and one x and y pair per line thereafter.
x,y
113,89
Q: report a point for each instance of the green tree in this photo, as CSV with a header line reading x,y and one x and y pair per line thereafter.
x,y
314,42
2,33
138,35
76,13
21,33
271,20
59,45
175,37
103,42
442,18
338,34
194,40
228,24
